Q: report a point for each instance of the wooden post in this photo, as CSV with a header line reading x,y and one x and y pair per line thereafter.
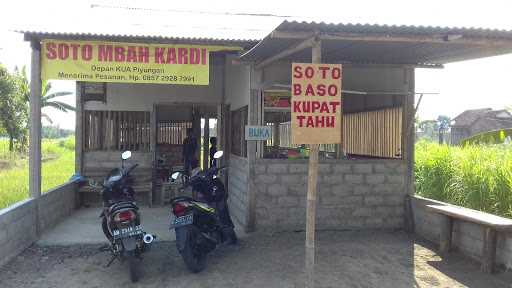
x,y
251,159
79,129
196,129
206,142
35,122
223,141
227,133
276,135
409,135
152,144
34,162
220,129
316,57
489,250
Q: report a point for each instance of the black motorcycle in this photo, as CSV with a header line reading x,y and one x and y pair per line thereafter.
x,y
203,223
121,219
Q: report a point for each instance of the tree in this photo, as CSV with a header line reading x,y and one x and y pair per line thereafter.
x,y
428,128
55,132
13,107
7,87
444,123
23,95
48,100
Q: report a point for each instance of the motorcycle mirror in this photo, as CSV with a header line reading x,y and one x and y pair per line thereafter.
x,y
126,155
175,175
218,154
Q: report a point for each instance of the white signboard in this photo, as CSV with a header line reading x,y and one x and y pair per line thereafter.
x,y
255,133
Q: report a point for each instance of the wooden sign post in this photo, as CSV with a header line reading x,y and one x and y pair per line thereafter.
x,y
316,119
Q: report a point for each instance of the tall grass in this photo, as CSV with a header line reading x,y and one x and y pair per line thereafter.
x,y
57,167
477,177
9,159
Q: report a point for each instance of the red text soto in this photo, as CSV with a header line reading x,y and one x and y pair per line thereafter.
x,y
126,53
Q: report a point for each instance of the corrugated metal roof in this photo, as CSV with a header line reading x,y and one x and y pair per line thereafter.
x,y
481,120
139,37
467,117
246,30
365,43
162,26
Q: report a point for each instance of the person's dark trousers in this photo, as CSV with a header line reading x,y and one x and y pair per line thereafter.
x,y
187,166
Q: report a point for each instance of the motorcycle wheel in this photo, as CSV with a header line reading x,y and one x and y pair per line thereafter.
x,y
194,260
133,262
229,236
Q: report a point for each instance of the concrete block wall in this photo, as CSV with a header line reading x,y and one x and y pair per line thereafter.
x,y
21,223
238,200
353,194
57,204
18,229
467,237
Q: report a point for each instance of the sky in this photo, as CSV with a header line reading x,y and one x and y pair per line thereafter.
x,y
464,85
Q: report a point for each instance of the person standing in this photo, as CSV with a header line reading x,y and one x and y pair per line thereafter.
x,y
189,151
213,149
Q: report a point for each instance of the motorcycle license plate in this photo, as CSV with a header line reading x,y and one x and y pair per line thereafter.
x,y
127,232
183,220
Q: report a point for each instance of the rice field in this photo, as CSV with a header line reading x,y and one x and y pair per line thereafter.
x,y
477,177
57,167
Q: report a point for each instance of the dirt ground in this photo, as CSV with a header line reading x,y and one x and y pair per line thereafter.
x,y
344,259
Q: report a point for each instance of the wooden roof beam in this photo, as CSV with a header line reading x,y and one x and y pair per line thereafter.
x,y
406,38
308,43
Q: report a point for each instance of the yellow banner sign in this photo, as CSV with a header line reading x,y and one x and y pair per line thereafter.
x,y
94,61
316,103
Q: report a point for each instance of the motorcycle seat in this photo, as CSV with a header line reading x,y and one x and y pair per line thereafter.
x,y
122,205
181,199
204,206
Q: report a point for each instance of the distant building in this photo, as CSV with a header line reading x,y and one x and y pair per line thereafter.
x,y
472,122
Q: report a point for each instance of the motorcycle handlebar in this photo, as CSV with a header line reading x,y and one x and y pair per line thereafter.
x,y
131,168
211,171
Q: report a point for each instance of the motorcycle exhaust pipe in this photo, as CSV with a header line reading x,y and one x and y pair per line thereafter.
x,y
148,238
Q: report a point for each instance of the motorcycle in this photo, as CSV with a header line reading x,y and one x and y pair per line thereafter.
x,y
121,220
204,223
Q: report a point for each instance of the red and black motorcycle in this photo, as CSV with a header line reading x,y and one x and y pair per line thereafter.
x,y
121,221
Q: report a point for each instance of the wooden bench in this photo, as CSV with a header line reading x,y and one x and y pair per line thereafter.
x,y
143,183
492,224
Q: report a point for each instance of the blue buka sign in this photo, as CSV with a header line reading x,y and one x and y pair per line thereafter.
x,y
256,133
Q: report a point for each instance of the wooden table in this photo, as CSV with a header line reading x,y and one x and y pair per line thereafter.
x,y
491,223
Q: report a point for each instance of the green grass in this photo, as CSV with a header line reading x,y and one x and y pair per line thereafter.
x,y
9,159
477,177
57,167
